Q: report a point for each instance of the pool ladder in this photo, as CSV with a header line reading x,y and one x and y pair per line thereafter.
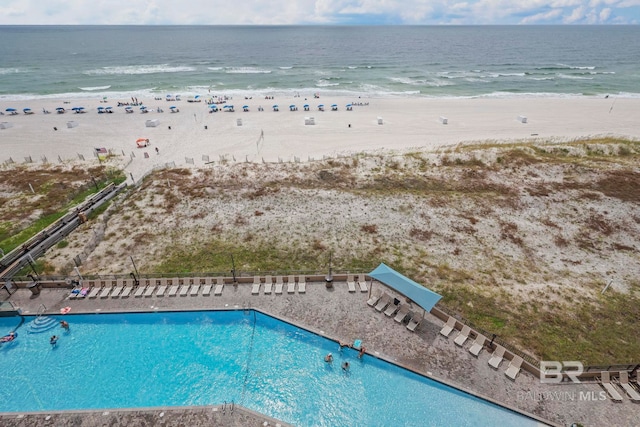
x,y
230,406
246,307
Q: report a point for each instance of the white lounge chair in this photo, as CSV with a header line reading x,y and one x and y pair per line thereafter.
x,y
105,291
302,285
94,292
173,290
385,300
351,284
126,292
75,292
219,286
392,309
478,344
206,289
279,285
605,381
255,290
514,367
195,289
448,327
162,289
149,291
374,300
362,282
497,357
139,291
404,310
413,323
268,285
628,388
462,336
184,290
291,286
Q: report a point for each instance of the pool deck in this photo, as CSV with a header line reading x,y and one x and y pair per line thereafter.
x,y
344,316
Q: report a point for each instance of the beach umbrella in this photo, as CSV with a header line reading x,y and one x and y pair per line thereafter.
x,y
245,107
173,107
108,108
100,108
292,106
10,110
227,106
196,97
142,107
58,109
26,109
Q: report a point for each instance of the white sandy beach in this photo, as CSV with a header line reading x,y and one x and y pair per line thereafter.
x,y
407,123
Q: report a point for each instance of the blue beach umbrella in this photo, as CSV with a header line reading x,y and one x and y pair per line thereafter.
x,y
108,108
292,106
10,110
26,109
245,107
142,107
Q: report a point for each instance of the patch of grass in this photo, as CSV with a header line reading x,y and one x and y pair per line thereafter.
x,y
62,244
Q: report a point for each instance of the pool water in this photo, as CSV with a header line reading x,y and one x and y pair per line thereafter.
x,y
210,357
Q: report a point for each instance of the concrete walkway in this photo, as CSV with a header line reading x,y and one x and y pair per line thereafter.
x,y
344,316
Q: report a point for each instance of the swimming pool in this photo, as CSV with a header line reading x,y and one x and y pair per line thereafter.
x,y
209,357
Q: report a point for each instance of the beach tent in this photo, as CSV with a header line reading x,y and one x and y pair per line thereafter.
x,y
321,107
213,108
293,107
306,107
334,107
417,293
245,108
349,107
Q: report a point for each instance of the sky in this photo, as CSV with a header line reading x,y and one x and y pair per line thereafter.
x,y
318,12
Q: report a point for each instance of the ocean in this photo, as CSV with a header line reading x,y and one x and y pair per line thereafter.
x,y
367,61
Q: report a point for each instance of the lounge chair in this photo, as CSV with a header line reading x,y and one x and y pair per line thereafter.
x,y
173,290
605,381
628,388
462,336
268,285
496,358
206,289
195,288
105,291
385,300
184,290
149,290
404,310
478,344
255,290
126,292
374,300
139,291
362,282
117,290
514,367
279,285
94,292
392,309
291,285
413,323
302,285
219,286
448,327
75,292
351,284
162,289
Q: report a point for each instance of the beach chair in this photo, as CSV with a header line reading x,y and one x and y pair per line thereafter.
x,y
351,284
373,300
195,288
255,290
291,279
392,309
514,367
605,382
268,285
162,288
206,289
627,387
184,290
385,300
219,286
173,289
94,292
291,286
126,291
404,310
362,282
105,291
448,327
413,323
149,290
139,291
477,345
497,357
118,288
302,285
279,285
462,336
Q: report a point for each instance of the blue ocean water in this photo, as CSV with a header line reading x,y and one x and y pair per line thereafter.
x,y
207,358
428,61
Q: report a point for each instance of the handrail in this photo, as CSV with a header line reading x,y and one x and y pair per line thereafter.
x,y
41,309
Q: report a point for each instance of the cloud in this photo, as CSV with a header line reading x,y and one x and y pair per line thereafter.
x,y
290,12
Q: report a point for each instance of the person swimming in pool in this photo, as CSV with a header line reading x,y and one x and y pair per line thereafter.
x,y
8,338
345,366
328,358
53,340
64,325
